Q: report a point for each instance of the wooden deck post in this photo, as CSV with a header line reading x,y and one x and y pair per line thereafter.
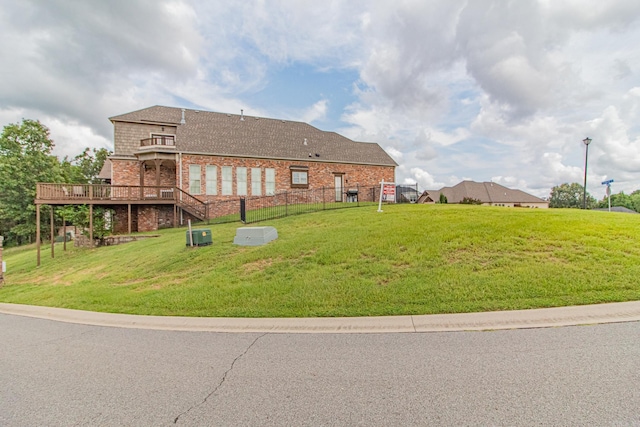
x,y
91,225
64,230
129,217
53,236
38,234
158,163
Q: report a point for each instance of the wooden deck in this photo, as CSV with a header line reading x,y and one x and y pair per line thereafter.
x,y
103,194
81,194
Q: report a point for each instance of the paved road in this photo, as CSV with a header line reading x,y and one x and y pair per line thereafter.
x,y
61,374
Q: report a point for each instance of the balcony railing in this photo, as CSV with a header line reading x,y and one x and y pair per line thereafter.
x,y
164,140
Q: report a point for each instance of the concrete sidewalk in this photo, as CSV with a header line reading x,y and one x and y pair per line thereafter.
x,y
516,319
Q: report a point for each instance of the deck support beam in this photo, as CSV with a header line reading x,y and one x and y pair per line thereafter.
x,y
38,234
53,236
91,225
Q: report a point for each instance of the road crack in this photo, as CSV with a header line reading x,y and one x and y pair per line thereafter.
x,y
222,380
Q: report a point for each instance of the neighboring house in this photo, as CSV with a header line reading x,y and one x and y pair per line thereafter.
x,y
488,193
407,194
166,159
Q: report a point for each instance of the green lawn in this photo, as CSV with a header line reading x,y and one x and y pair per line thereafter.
x,y
411,259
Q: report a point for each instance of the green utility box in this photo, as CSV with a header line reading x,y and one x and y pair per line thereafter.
x,y
200,236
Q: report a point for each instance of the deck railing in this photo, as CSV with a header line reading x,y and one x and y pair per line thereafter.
x,y
191,204
97,192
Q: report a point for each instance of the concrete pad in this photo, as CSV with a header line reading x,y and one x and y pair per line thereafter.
x,y
254,236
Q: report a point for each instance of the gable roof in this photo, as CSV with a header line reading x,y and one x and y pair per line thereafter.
x,y
486,192
210,133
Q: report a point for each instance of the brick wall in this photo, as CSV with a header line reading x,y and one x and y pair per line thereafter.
x,y
319,174
125,172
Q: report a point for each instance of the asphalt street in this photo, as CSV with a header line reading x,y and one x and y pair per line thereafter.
x,y
62,374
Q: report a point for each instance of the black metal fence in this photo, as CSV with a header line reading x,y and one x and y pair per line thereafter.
x,y
295,202
261,208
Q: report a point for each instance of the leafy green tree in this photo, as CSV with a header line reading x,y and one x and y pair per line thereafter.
x,y
470,201
78,215
570,196
25,159
443,198
85,167
635,200
629,201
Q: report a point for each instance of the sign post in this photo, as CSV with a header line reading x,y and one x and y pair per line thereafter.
x,y
387,193
608,184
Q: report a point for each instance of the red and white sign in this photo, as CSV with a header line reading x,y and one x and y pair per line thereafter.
x,y
389,193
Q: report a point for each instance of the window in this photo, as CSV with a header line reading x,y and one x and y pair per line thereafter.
x,y
227,181
241,181
299,177
194,179
270,181
212,180
256,182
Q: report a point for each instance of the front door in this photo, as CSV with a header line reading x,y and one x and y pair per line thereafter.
x,y
338,186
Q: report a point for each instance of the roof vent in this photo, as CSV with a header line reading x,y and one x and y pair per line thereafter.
x,y
242,115
182,120
305,141
317,155
310,155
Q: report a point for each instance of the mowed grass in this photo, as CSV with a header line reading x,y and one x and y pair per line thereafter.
x,y
411,259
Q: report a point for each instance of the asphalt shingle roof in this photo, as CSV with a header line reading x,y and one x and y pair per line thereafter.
x,y
211,133
486,192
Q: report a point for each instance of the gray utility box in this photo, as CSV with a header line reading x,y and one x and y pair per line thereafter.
x,y
255,236
200,236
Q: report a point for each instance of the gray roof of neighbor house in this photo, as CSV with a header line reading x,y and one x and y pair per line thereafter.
x,y
486,192
205,132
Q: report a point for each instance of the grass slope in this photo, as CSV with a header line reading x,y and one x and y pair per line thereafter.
x,y
411,259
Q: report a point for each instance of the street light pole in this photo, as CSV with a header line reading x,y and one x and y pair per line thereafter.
x,y
586,141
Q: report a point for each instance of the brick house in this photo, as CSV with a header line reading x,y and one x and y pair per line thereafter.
x,y
487,193
210,157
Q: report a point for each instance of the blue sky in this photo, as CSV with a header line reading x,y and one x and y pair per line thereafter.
x,y
452,89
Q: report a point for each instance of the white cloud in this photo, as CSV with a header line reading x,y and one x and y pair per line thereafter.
x,y
483,89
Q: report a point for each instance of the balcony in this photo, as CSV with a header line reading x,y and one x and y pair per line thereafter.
x,y
164,141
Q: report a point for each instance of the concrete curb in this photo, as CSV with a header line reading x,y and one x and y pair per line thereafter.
x,y
515,319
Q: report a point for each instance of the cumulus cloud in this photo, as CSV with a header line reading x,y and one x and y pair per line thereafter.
x,y
476,89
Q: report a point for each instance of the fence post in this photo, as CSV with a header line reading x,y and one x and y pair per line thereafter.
x,y
243,211
323,199
286,203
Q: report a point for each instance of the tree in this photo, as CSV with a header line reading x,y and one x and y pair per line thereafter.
x,y
90,163
635,200
470,201
443,198
25,159
569,196
629,201
78,215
